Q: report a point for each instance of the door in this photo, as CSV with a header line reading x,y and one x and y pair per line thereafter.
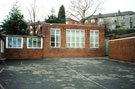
x,y
107,47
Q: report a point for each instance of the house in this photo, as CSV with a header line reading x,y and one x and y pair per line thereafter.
x,y
119,20
58,41
71,21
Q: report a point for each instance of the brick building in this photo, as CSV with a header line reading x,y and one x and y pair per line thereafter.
x,y
57,41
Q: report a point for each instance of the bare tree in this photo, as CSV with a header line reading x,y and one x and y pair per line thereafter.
x,y
80,9
34,16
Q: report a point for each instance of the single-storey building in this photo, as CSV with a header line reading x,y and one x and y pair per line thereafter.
x,y
57,41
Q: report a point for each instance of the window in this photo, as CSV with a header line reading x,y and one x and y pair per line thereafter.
x,y
2,46
100,20
94,39
93,21
14,42
75,38
86,21
34,42
55,38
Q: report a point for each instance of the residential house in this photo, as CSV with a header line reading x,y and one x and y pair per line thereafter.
x,y
57,41
71,21
119,20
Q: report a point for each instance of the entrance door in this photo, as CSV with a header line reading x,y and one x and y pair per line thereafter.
x,y
107,47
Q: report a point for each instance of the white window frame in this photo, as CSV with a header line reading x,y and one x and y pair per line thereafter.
x,y
92,20
94,38
12,42
32,43
55,37
2,46
75,38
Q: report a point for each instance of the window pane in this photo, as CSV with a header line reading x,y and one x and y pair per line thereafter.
x,y
68,45
57,39
52,44
34,42
30,42
39,42
19,43
9,42
14,42
52,32
82,45
57,32
57,44
77,45
92,45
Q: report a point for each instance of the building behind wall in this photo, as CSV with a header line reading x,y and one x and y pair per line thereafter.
x,y
113,21
59,41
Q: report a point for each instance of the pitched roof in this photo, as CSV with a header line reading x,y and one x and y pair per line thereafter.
x,y
112,14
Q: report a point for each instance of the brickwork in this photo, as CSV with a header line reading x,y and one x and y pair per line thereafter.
x,y
122,49
62,52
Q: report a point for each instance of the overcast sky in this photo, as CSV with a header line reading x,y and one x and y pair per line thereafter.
x,y
45,6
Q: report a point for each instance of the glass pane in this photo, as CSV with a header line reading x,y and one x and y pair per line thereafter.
x,y
67,33
91,39
92,45
57,39
82,33
14,42
34,42
82,39
52,44
68,45
96,39
82,45
9,42
68,39
57,44
58,32
77,45
39,42
30,42
19,43
96,45
72,45
52,32
52,39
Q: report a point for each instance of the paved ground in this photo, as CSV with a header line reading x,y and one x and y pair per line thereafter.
x,y
68,73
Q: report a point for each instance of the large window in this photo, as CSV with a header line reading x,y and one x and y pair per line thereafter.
x,y
55,38
75,38
94,39
33,42
14,42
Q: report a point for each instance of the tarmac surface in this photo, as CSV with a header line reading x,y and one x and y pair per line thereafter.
x,y
68,73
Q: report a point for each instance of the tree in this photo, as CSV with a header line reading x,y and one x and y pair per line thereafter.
x,y
14,24
52,18
61,14
33,16
80,9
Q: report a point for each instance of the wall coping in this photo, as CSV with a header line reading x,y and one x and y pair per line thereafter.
x,y
123,38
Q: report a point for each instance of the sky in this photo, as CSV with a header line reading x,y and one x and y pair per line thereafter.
x,y
45,6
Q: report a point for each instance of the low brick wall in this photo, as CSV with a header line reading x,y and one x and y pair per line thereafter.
x,y
122,49
62,52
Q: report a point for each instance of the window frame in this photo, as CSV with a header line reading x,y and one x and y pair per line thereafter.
x,y
75,38
94,39
55,37
16,43
32,42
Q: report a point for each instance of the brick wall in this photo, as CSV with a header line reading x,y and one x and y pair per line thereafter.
x,y
122,49
63,52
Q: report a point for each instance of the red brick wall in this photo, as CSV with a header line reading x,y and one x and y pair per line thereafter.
x,y
122,49
64,52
